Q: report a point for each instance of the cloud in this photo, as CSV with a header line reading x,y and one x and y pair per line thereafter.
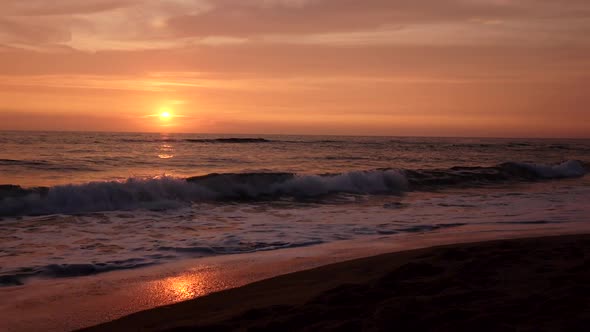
x,y
39,32
245,59
61,7
95,25
248,18
284,60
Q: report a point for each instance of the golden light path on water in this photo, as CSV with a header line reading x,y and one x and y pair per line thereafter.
x,y
182,287
166,151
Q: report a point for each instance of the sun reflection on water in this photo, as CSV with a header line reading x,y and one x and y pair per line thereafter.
x,y
165,150
182,288
190,285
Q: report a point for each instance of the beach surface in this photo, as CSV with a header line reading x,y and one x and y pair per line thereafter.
x,y
535,283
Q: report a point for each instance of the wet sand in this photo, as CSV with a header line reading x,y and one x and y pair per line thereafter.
x,y
536,284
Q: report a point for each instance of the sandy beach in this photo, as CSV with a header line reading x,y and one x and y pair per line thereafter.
x,y
530,284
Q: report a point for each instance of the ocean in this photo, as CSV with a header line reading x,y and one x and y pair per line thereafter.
x,y
78,204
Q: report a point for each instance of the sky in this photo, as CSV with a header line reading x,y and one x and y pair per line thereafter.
x,y
502,68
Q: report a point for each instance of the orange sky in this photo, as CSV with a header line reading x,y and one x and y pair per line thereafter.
x,y
371,67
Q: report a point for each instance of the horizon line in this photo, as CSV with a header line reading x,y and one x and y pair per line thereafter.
x,y
262,134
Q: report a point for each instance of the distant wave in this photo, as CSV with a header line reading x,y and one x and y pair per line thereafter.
x,y
229,140
43,165
510,171
232,140
15,162
168,192
146,140
200,140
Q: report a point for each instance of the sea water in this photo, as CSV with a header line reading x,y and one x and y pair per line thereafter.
x,y
76,204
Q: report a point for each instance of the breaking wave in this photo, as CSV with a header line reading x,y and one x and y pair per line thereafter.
x,y
168,192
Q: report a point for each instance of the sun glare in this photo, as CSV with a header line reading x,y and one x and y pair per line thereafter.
x,y
165,114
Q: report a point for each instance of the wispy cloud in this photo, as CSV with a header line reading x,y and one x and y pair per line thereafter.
x,y
232,60
149,24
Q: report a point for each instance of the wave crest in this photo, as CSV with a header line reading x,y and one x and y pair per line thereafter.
x,y
169,192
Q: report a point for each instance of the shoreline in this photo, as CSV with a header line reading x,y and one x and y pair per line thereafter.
x,y
531,282
74,303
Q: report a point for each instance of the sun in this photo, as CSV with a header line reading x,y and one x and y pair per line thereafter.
x,y
165,114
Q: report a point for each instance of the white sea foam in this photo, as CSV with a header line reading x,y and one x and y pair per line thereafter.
x,y
567,169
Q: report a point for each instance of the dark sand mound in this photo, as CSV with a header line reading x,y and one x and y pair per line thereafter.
x,y
535,284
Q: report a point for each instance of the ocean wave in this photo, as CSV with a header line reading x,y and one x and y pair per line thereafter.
x,y
12,191
242,248
568,169
200,140
18,277
145,140
509,171
229,140
15,162
43,165
345,158
234,140
166,192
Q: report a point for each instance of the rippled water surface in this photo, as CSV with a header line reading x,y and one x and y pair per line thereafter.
x,y
46,159
75,204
